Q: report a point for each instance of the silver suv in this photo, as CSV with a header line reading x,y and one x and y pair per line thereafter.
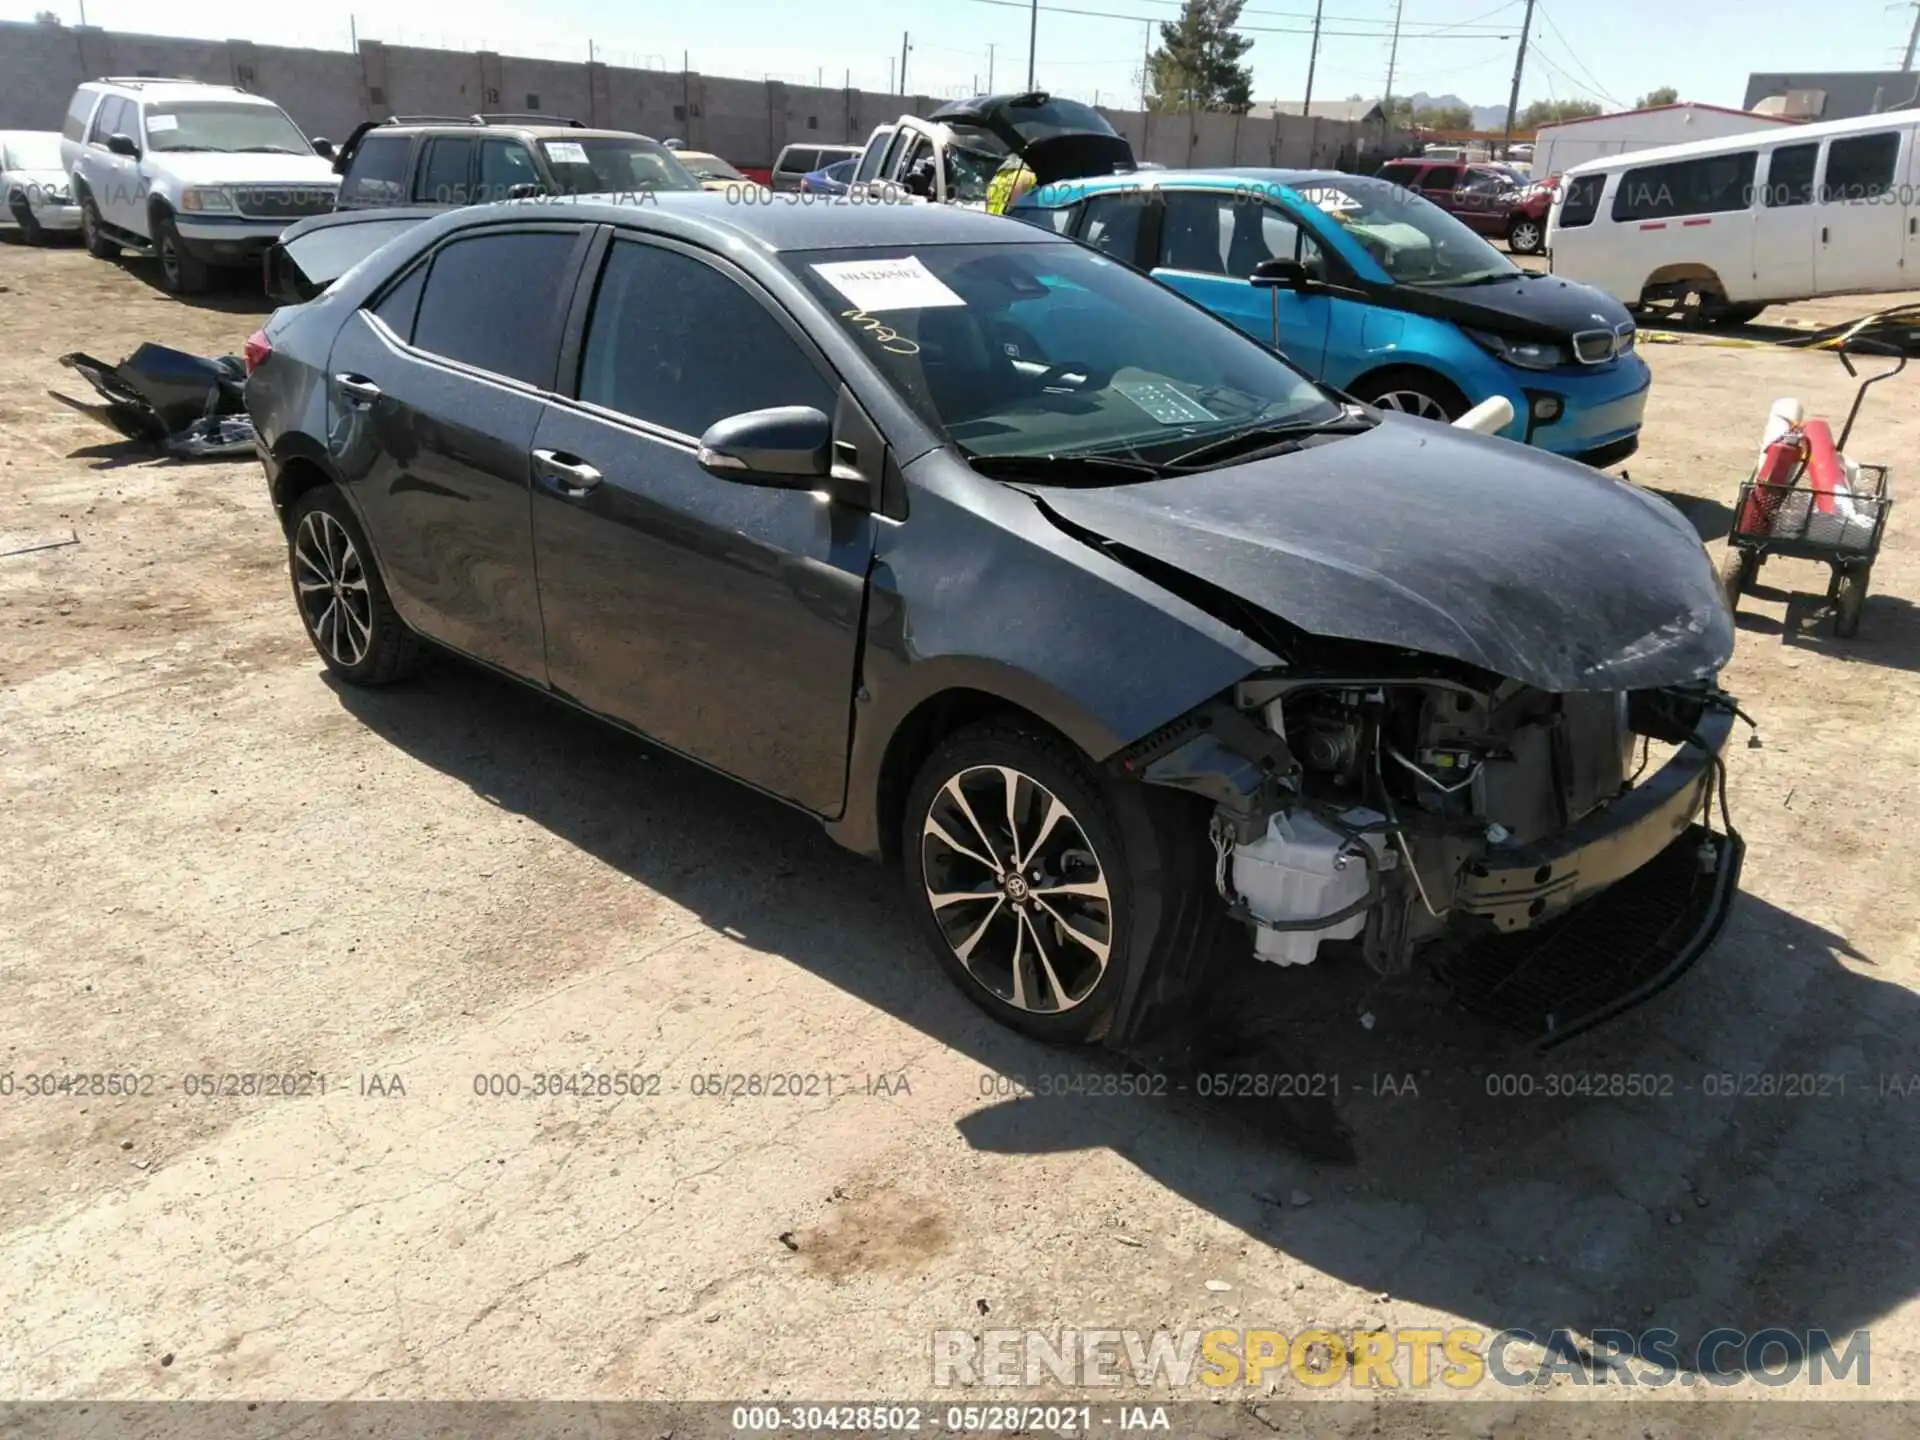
x,y
198,176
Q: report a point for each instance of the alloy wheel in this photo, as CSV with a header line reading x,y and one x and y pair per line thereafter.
x,y
331,582
1525,238
1016,889
1412,402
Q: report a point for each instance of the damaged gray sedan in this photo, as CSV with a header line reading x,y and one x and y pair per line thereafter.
x,y
1139,652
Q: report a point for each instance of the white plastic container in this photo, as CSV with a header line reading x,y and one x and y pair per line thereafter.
x,y
1296,871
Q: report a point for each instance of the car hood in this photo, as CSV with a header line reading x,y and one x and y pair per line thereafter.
x,y
45,179
1529,307
1426,538
201,167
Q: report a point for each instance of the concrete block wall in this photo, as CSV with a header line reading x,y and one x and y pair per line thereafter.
x,y
748,121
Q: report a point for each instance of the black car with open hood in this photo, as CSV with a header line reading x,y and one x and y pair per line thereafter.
x,y
1139,652
1059,139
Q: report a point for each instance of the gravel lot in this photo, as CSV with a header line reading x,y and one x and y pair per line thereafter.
x,y
213,861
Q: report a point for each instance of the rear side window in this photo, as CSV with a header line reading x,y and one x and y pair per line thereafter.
x,y
1113,226
1707,186
1398,174
402,303
467,314
1860,167
1790,176
378,172
1582,202
443,173
678,344
800,162
78,113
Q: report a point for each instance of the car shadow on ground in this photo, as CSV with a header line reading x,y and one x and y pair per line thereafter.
x,y
232,291
1711,519
1741,1153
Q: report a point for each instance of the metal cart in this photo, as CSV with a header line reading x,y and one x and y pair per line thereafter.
x,y
1783,519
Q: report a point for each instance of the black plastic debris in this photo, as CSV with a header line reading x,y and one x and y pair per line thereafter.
x,y
190,405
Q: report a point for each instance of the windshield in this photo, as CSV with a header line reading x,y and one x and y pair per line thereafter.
x,y
708,167
261,129
615,164
1051,350
32,152
1414,240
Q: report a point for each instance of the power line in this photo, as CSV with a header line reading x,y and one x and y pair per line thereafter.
x,y
1574,55
1251,29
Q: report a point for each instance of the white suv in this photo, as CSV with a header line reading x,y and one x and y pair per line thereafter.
x,y
197,176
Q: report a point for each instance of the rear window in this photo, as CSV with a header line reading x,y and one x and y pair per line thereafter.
x,y
1582,202
467,314
1860,167
1710,185
378,172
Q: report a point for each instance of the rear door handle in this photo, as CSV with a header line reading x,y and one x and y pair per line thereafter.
x,y
565,473
358,388
1823,234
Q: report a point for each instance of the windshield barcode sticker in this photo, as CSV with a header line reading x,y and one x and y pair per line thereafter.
x,y
566,152
876,286
161,124
1164,403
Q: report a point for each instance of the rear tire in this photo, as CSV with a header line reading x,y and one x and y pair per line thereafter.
x,y
1526,236
99,244
1040,946
343,603
180,273
1413,392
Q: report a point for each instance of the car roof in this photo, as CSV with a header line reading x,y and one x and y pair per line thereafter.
x,y
526,132
1068,191
717,219
172,90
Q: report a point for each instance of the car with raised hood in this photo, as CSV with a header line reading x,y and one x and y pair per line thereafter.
x,y
414,160
950,156
201,177
35,194
1138,651
1387,297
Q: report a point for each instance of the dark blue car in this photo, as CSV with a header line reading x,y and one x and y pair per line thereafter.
x,y
831,180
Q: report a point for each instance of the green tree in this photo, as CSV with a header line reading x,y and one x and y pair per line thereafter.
x,y
1665,95
1546,112
47,17
1451,117
1199,62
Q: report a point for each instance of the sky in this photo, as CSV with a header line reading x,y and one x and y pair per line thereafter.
x,y
1610,51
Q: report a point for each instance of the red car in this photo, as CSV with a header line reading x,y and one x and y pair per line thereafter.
x,y
1486,197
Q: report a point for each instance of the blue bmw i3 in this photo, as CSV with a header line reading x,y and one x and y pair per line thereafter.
x,y
1375,291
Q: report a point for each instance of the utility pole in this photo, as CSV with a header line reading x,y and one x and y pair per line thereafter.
x,y
1033,39
1146,65
1913,37
890,85
904,47
1519,64
1313,58
990,69
1393,57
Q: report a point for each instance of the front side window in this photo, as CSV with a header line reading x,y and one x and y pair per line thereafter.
x,y
1860,167
377,174
1440,177
1713,184
1408,236
871,157
467,314
110,120
503,165
614,165
679,344
1038,350
1790,176
1196,232
1398,174
225,127
443,172
1113,225
1582,202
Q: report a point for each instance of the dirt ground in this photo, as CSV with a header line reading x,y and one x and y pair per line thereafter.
x,y
214,862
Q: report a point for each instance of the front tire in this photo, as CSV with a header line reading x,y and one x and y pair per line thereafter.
x,y
31,230
1017,874
99,245
1413,392
180,273
343,603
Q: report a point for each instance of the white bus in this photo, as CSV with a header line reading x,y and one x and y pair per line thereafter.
x,y
1727,227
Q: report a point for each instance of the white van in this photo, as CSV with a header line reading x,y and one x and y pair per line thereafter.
x,y
1727,227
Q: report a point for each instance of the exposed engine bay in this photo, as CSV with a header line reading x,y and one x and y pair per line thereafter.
x,y
1391,812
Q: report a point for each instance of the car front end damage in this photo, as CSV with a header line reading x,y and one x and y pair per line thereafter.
x,y
1530,846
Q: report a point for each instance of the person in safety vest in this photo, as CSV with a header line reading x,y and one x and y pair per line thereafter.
x,y
1012,180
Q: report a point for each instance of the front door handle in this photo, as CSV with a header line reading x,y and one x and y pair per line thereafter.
x,y
358,388
568,474
1823,234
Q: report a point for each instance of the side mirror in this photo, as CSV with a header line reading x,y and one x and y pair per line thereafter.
x,y
322,147
789,447
526,190
123,145
1286,274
